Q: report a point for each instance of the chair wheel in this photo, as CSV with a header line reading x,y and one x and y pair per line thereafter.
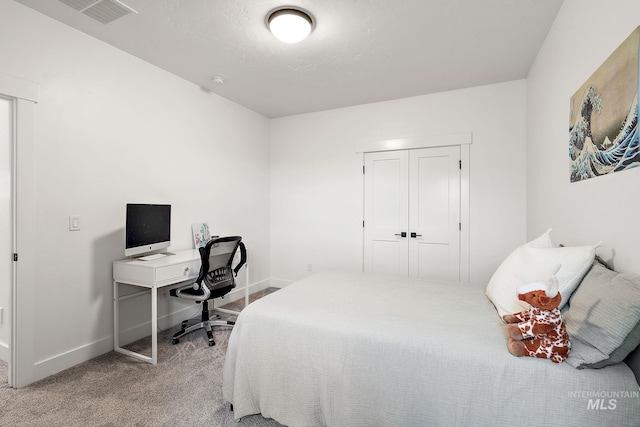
x,y
175,341
212,343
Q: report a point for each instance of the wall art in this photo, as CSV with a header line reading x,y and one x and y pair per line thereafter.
x,y
603,124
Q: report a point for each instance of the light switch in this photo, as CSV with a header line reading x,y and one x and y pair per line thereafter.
x,y
74,222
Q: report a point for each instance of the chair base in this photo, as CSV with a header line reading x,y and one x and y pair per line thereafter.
x,y
188,327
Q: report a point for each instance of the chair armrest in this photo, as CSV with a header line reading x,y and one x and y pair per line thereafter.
x,y
243,258
186,292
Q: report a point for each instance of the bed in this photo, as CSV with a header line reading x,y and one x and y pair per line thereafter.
x,y
354,349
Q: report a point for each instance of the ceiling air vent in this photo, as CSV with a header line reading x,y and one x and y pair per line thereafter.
x,y
104,11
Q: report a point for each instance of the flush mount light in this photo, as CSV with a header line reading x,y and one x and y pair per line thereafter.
x,y
290,25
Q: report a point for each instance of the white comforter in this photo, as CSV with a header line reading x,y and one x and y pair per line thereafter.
x,y
350,349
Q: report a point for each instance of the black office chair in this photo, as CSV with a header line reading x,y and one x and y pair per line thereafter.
x,y
216,279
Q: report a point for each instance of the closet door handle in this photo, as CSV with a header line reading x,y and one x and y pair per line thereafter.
x,y
403,234
414,235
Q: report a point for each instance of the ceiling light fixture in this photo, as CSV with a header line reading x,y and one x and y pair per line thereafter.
x,y
290,25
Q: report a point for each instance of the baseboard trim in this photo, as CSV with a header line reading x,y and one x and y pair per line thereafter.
x,y
238,293
68,359
280,283
54,364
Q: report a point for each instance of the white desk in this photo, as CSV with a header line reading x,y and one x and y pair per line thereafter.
x,y
180,267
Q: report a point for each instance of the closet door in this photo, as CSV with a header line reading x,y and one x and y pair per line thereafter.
x,y
434,213
412,213
386,212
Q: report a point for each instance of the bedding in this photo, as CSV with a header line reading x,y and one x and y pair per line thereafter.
x,y
353,349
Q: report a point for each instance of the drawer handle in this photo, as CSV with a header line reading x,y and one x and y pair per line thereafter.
x,y
186,269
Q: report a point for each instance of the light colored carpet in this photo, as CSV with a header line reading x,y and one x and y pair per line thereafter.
x,y
183,389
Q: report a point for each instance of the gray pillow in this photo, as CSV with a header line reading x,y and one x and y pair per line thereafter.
x,y
603,319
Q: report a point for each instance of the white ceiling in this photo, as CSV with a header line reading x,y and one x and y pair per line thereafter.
x,y
360,51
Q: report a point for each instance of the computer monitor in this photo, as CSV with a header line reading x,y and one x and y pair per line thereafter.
x,y
147,229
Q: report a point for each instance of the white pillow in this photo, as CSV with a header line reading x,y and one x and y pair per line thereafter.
x,y
495,290
534,261
543,241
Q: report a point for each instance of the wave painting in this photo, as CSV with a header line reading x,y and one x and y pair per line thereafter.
x,y
603,128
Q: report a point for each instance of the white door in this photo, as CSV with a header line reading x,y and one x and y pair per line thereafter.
x,y
434,213
412,213
386,213
6,120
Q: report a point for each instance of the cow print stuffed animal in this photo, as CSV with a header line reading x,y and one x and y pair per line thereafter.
x,y
539,331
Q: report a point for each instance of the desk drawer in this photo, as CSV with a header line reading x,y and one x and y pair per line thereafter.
x,y
177,272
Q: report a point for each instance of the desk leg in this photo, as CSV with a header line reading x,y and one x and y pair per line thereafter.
x,y
246,286
116,314
154,325
246,295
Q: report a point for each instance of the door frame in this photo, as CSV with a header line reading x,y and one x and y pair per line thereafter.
x,y
24,95
462,139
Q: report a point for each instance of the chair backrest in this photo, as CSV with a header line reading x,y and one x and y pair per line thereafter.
x,y
217,258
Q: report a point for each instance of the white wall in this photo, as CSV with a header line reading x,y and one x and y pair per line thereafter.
x,y
317,183
112,129
605,208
